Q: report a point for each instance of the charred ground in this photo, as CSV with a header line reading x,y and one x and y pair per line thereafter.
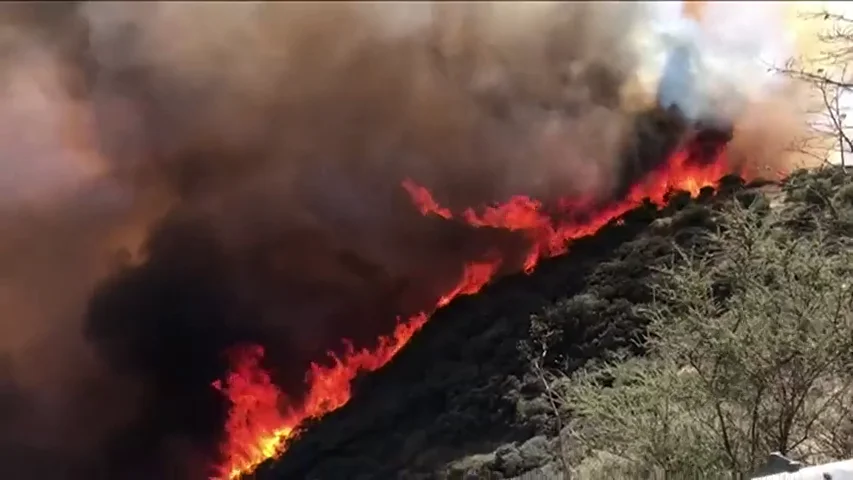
x,y
462,400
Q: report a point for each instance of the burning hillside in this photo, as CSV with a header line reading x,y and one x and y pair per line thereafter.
x,y
225,197
463,401
258,428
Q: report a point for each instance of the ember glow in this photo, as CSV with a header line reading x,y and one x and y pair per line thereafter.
x,y
262,420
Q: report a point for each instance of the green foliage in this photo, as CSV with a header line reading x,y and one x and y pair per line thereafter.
x,y
749,350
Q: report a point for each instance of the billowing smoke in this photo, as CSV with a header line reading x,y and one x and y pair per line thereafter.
x,y
178,178
718,63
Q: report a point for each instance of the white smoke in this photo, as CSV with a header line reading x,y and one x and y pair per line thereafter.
x,y
711,68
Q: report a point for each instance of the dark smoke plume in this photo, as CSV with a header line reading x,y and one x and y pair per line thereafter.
x,y
178,178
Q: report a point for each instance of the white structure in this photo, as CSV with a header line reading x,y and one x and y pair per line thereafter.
x,y
788,470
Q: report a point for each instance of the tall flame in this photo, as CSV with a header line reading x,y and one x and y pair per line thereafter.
x,y
263,421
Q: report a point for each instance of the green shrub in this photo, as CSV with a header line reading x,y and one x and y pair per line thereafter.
x,y
749,350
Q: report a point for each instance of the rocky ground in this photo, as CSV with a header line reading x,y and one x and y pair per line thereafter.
x,y
462,401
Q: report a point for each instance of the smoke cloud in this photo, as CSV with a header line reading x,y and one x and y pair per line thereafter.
x,y
178,178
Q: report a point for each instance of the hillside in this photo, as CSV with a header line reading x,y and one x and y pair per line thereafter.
x,y
461,401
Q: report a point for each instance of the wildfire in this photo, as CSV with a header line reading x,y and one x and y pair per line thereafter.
x,y
263,421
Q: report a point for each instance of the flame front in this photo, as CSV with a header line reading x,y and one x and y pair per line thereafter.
x,y
262,421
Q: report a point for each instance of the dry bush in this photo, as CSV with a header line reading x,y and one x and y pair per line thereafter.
x,y
750,350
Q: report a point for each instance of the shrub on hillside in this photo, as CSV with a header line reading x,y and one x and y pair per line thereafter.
x,y
749,350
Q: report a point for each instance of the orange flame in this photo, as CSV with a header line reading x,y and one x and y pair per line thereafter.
x,y
424,201
262,422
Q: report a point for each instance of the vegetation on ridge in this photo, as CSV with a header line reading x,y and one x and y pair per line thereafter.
x,y
749,350
466,399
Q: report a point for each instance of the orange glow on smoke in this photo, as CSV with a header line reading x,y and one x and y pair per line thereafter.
x,y
262,421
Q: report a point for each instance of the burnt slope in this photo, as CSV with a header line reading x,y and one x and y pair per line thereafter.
x,y
461,401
